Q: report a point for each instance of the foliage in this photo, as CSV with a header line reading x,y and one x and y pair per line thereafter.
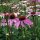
x,y
5,8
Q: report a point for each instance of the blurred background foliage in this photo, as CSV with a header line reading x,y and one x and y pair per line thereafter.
x,y
16,1
5,8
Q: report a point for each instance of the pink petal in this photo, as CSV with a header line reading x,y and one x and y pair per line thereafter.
x,y
22,24
30,10
17,24
37,0
15,20
3,23
28,22
38,13
10,22
3,20
29,13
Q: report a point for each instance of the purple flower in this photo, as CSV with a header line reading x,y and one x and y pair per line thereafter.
x,y
35,0
21,21
38,13
34,13
11,20
3,22
38,1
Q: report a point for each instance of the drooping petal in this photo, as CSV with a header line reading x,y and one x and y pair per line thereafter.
x,y
22,24
17,24
10,22
3,22
30,10
28,22
15,20
38,0
29,13
38,13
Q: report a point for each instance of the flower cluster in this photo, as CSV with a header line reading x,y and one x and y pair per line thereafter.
x,y
16,21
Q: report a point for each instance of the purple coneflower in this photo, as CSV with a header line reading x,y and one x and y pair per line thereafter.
x,y
34,13
21,21
11,19
3,22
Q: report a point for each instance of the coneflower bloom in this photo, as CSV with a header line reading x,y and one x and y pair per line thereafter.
x,y
3,22
11,19
38,13
21,21
34,13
